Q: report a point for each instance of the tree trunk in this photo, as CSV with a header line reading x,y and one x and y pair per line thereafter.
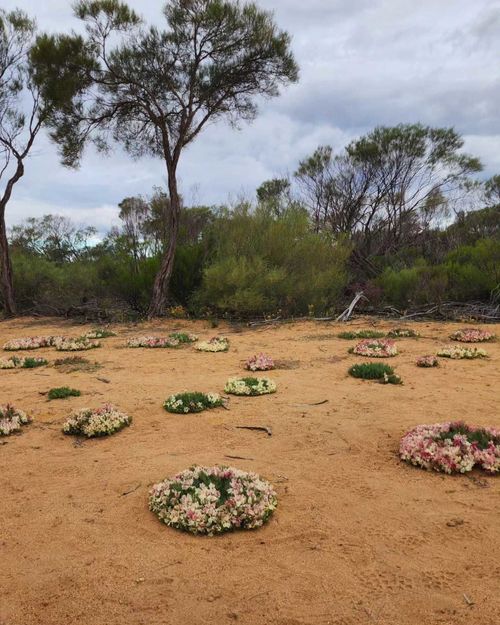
x,y
162,280
6,282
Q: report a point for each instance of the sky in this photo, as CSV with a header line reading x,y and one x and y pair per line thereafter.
x,y
362,63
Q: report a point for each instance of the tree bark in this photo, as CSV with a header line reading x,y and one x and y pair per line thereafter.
x,y
6,281
162,280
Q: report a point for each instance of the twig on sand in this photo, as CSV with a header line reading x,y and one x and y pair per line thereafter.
x,y
238,458
258,428
127,492
105,380
467,600
316,403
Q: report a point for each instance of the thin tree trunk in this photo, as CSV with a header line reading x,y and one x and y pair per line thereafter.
x,y
162,280
6,281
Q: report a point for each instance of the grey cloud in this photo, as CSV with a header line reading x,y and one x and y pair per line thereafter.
x,y
363,63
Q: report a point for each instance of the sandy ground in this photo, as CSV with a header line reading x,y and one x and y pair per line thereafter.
x,y
358,536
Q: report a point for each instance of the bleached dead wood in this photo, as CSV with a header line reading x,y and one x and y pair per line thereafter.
x,y
349,310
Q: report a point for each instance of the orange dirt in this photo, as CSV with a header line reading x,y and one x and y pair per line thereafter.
x,y
358,537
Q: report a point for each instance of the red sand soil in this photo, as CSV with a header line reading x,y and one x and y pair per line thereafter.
x,y
358,537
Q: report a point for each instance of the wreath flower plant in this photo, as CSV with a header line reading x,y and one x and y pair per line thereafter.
x,y
101,421
28,362
452,447
259,362
250,386
213,500
375,348
427,361
403,333
99,333
184,337
29,342
472,335
215,344
184,403
361,334
78,344
456,352
12,419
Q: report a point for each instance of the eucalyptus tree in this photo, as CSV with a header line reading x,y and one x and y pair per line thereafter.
x,y
154,89
21,117
386,187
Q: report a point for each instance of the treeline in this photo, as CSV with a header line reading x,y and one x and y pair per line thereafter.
x,y
269,257
399,212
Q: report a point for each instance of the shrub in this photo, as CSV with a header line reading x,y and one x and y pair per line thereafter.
x,y
62,392
452,447
76,363
101,421
263,264
212,500
361,334
399,333
183,337
371,371
11,419
250,386
183,403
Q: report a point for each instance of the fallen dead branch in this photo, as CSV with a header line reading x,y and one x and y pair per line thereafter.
x,y
258,428
349,310
238,458
132,490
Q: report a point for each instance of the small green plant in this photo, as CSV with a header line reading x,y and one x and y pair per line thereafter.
x,y
402,333
32,363
99,333
361,334
62,392
371,371
183,403
183,337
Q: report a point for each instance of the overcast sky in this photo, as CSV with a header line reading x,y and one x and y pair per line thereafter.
x,y
362,63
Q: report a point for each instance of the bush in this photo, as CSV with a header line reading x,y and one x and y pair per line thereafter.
x,y
62,392
370,371
361,334
183,403
263,265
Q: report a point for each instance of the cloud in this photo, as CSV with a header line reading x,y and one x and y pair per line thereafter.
x,y
363,63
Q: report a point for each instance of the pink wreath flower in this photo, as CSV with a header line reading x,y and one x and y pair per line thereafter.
x,y
452,447
376,348
259,362
427,361
472,335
